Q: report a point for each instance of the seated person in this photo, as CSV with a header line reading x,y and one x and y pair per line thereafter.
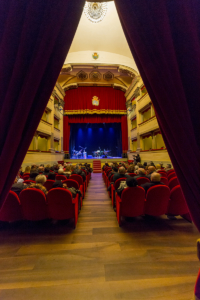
x,y
51,176
46,171
33,175
40,180
130,182
61,172
68,170
158,167
106,165
120,174
130,169
41,169
59,184
145,165
114,170
168,167
151,170
140,173
18,186
27,169
155,180
78,171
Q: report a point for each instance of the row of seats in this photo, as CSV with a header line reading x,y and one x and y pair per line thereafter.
x,y
159,200
33,205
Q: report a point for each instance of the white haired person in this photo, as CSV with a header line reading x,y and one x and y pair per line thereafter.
x,y
40,180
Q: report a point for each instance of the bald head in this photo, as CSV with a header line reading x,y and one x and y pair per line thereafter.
x,y
155,177
122,170
151,169
141,171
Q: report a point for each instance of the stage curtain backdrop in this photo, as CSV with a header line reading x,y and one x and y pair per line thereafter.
x,y
164,38
95,119
33,48
81,99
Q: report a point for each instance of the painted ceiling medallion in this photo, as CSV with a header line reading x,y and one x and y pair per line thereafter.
x,y
95,101
95,55
95,12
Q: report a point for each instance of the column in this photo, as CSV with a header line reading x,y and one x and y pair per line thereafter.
x,y
35,142
154,146
52,143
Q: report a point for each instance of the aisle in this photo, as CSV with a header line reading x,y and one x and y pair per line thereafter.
x,y
98,260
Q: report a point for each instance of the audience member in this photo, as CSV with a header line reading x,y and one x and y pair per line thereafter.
x,y
51,176
40,180
120,174
18,186
33,175
130,182
46,171
150,170
158,167
27,169
155,180
59,184
168,167
140,173
130,169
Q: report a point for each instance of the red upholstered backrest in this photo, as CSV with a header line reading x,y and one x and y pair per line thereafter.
x,y
29,181
111,178
173,182
132,174
157,200
164,180
172,175
163,174
170,171
84,171
177,204
11,210
142,180
60,177
60,204
25,177
48,184
34,206
77,178
133,199
71,183
117,182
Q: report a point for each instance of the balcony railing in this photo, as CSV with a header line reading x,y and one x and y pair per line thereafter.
x,y
148,125
133,133
143,101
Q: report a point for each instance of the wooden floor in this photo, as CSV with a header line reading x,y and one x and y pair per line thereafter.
x,y
145,259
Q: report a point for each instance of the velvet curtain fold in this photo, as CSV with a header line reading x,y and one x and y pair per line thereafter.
x,y
164,38
33,48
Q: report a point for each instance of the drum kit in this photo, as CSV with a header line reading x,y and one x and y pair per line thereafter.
x,y
99,153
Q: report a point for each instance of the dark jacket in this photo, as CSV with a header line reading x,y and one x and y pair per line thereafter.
x,y
139,176
147,185
118,176
18,187
79,172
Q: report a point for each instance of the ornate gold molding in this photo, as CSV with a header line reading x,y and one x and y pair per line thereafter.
x,y
95,111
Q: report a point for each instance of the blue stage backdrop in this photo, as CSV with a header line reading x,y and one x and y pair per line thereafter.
x,y
107,136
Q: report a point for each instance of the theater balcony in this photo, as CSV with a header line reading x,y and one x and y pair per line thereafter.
x,y
57,133
143,101
134,133
148,125
44,127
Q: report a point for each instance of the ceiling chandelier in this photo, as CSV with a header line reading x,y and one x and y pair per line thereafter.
x,y
95,12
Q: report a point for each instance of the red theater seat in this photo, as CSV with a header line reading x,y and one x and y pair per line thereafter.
x,y
164,180
173,182
131,203
11,210
171,175
29,181
61,177
79,179
157,200
61,205
142,180
163,174
132,174
75,184
48,184
26,177
177,204
34,205
114,187
170,171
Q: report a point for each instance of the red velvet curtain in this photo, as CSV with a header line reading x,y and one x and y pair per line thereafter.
x,y
81,98
164,38
33,47
95,119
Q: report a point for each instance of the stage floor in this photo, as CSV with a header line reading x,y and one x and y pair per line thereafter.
x,y
90,160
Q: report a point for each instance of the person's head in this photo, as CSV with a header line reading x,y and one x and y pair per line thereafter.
x,y
57,184
60,171
41,179
27,169
48,166
136,168
42,165
115,169
46,170
122,170
131,182
145,164
158,166
151,169
106,164
67,168
33,167
169,166
51,176
72,168
41,169
139,165
141,171
155,177
33,175
131,169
